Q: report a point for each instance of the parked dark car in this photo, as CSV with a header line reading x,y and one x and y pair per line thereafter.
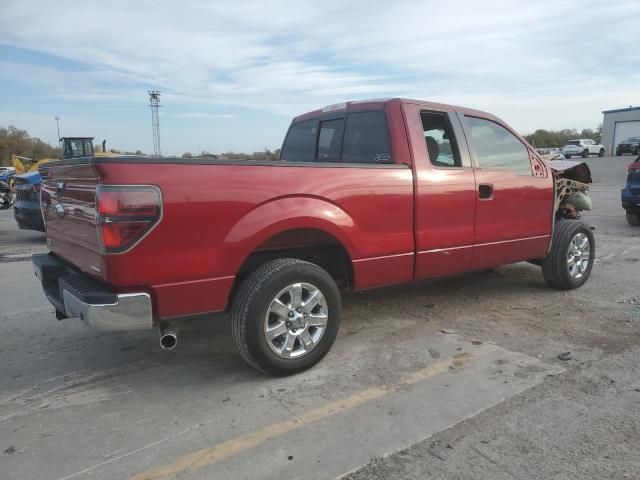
x,y
630,145
6,195
631,194
27,203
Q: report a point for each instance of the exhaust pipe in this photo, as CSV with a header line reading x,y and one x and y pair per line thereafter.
x,y
168,338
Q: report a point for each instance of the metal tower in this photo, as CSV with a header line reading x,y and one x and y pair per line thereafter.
x,y
154,103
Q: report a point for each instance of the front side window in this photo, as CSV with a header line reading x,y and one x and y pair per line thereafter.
x,y
73,149
496,148
438,135
300,145
88,148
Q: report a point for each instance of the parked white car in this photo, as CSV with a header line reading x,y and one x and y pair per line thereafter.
x,y
582,147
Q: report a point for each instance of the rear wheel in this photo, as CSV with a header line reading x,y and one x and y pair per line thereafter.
x,y
633,219
570,260
567,157
601,152
285,316
585,153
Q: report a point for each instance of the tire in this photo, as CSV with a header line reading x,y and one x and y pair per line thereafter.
x,y
618,154
601,152
567,157
633,219
556,268
252,314
585,153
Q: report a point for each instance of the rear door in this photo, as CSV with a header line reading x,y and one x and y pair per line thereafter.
x,y
445,192
514,195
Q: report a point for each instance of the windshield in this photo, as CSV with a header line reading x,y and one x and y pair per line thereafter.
x,y
574,142
632,140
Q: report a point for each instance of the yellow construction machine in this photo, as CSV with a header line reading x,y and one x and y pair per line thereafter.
x,y
71,147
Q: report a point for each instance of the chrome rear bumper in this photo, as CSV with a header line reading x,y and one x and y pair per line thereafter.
x,y
131,311
76,295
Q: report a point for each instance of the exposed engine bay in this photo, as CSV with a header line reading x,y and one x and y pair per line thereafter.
x,y
572,184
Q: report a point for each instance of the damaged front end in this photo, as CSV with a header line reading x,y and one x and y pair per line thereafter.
x,y
572,185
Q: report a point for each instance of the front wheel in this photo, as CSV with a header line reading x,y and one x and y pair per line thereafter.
x,y
585,153
567,157
601,152
285,316
633,219
570,260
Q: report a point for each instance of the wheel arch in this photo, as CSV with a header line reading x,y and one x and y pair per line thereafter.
x,y
307,228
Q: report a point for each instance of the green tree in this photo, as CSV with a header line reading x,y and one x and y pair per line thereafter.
x,y
14,141
559,138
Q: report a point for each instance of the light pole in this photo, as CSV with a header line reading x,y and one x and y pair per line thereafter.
x,y
58,124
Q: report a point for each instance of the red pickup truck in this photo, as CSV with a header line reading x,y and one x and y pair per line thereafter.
x,y
365,194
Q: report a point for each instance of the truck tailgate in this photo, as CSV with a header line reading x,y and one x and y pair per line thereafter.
x,y
69,211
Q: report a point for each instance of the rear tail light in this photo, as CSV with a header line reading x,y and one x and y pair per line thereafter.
x,y
125,214
634,166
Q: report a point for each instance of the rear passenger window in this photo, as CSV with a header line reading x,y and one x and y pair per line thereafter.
x,y
366,138
330,140
300,145
497,148
441,144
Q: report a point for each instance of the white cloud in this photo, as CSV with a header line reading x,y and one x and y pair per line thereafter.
x,y
549,63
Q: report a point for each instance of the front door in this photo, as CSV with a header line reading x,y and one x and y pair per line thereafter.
x,y
514,196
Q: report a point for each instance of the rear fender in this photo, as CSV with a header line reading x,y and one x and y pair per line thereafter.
x,y
289,213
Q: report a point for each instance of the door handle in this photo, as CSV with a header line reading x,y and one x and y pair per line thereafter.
x,y
485,191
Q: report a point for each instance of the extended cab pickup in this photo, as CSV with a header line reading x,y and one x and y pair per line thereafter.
x,y
365,194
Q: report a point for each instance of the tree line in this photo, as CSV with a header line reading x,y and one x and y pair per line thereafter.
x,y
18,142
266,154
559,138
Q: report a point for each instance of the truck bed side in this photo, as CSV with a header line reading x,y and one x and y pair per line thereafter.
x,y
217,213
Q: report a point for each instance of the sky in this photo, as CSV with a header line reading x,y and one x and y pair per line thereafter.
x,y
233,73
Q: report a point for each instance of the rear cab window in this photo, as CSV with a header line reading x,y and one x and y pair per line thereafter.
x,y
330,141
300,144
366,138
359,137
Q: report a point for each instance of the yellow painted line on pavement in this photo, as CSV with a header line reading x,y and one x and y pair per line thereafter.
x,y
207,456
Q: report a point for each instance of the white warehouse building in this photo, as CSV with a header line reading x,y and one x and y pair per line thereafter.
x,y
618,125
